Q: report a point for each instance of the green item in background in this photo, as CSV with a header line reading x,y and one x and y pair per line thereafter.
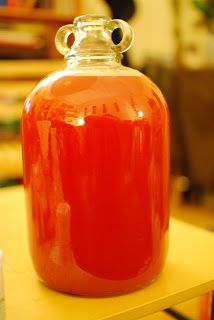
x,y
206,7
9,183
12,125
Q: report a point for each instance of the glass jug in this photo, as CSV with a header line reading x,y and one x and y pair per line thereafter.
x,y
96,167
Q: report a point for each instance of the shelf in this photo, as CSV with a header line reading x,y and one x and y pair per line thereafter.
x,y
29,69
47,17
34,15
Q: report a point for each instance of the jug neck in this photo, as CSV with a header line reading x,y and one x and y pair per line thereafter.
x,y
94,61
93,45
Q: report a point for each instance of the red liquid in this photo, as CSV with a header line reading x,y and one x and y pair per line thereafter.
x,y
96,173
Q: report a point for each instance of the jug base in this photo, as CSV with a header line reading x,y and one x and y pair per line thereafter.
x,y
100,294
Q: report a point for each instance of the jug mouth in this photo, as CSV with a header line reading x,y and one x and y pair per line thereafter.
x,y
90,19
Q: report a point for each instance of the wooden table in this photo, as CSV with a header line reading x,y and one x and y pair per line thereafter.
x,y
189,272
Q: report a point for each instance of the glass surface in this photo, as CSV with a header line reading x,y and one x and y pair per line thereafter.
x,y
96,175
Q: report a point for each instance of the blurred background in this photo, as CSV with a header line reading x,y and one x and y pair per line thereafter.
x,y
174,46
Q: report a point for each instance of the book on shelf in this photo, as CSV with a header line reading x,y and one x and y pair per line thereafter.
x,y
19,38
26,3
60,7
12,3
2,3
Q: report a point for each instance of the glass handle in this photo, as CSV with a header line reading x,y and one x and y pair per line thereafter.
x,y
128,35
61,38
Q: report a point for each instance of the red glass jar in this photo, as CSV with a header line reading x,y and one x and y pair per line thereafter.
x,y
96,167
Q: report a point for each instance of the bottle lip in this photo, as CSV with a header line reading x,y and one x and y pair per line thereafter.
x,y
91,19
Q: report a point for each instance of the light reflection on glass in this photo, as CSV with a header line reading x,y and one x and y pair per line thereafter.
x,y
27,105
140,114
81,121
